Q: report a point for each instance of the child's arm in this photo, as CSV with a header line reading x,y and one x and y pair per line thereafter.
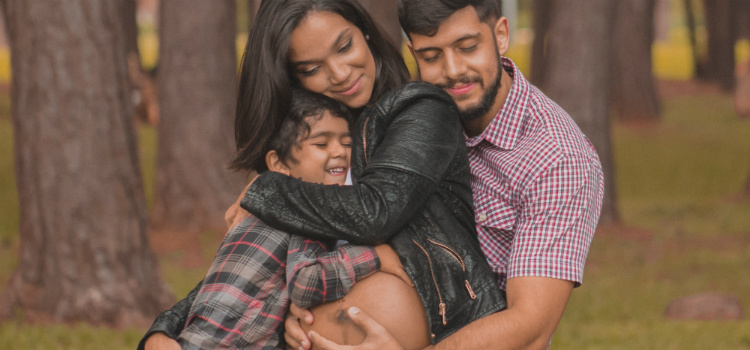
x,y
316,275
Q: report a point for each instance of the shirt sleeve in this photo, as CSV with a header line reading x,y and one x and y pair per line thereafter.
x,y
316,275
558,221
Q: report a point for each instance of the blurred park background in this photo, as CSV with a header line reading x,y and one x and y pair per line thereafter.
x,y
100,229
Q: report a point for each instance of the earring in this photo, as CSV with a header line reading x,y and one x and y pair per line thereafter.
x,y
367,36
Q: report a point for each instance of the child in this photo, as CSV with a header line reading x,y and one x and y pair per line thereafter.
x,y
258,269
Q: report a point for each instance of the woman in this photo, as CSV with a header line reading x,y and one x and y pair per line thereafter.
x,y
411,185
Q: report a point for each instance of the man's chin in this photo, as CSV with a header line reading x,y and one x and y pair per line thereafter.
x,y
470,113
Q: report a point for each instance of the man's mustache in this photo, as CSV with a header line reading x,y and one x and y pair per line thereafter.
x,y
462,80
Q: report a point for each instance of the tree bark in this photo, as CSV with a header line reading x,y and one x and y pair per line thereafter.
x,y
578,73
634,96
384,12
542,9
720,22
84,252
197,92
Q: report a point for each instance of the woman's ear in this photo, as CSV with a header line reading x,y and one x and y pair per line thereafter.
x,y
274,163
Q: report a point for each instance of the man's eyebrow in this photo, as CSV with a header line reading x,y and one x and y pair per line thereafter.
x,y
465,37
336,43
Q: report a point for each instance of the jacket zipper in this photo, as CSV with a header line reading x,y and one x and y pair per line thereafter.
x,y
460,261
441,306
364,140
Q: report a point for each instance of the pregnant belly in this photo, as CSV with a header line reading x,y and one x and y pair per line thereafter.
x,y
388,300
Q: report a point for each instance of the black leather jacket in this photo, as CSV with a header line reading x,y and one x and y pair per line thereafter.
x,y
411,189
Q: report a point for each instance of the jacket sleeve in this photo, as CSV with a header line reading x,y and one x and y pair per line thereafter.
x,y
316,275
172,321
420,140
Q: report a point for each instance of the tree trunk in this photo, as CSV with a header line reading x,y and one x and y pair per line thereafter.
x,y
542,9
698,70
384,12
578,74
720,23
634,96
84,253
252,9
196,87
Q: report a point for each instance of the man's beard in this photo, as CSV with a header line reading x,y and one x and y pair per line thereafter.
x,y
488,96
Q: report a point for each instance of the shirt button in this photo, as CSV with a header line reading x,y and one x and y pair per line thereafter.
x,y
482,217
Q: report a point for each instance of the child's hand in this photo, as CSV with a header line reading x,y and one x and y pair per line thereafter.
x,y
390,263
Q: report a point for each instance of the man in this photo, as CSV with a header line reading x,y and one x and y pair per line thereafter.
x,y
537,180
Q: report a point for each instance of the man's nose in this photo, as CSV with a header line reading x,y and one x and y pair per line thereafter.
x,y
453,66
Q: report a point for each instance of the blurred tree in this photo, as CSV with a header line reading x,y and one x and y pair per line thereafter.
x,y
83,229
578,74
690,23
197,87
720,18
252,8
541,28
634,96
384,12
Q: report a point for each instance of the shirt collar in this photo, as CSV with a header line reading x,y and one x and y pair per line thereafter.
x,y
504,129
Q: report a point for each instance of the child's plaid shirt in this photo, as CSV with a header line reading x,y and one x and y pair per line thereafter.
x,y
245,295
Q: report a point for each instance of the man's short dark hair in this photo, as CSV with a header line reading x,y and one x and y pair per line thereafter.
x,y
295,126
423,17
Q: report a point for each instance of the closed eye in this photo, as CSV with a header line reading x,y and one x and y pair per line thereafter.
x,y
346,46
309,72
469,49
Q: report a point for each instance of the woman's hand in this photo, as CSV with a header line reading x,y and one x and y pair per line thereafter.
x,y
295,337
390,263
377,337
160,341
235,213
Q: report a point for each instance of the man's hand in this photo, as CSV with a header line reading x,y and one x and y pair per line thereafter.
x,y
160,341
235,213
295,337
390,263
376,338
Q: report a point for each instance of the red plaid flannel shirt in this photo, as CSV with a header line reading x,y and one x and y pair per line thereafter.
x,y
245,295
538,187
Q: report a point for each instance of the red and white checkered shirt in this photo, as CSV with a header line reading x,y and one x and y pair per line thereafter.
x,y
538,187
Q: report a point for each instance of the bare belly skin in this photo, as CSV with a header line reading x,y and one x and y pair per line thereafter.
x,y
388,300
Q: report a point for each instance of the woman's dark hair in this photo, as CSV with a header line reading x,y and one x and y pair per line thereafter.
x,y
266,80
305,104
423,17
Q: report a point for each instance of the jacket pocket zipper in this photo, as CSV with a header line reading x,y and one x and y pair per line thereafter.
x,y
364,140
460,261
441,306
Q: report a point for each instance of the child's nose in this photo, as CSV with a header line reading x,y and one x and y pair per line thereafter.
x,y
338,150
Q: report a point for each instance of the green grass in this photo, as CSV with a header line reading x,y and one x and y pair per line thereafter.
x,y
687,232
